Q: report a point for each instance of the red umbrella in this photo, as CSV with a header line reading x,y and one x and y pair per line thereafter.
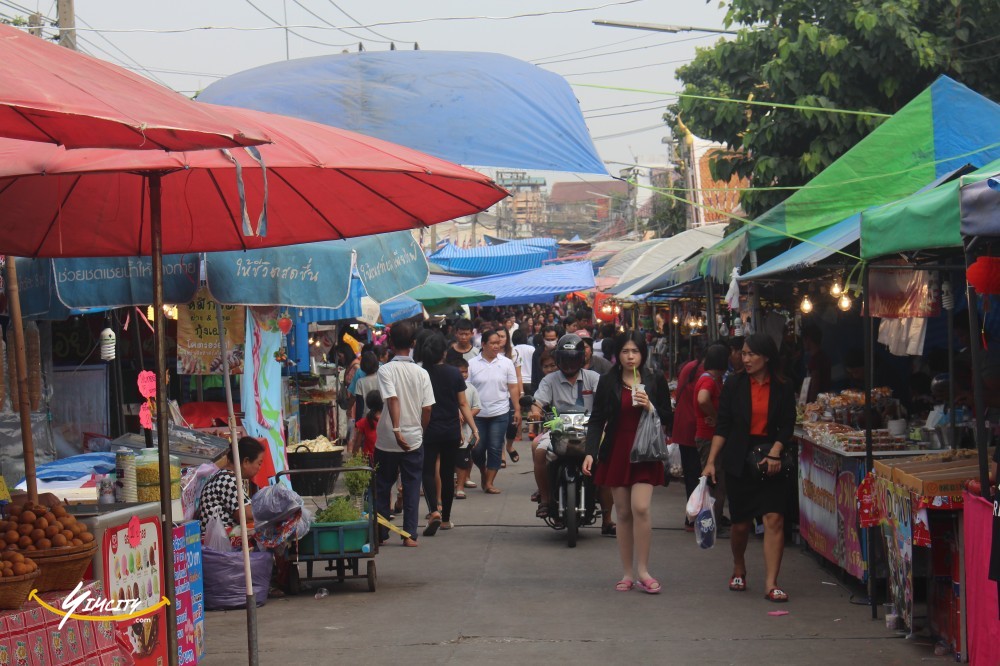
x,y
55,95
314,183
322,183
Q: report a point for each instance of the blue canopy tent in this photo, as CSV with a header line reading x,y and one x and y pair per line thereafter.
x,y
454,105
489,259
548,244
535,286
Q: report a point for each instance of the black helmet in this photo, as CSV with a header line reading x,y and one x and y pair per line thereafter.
x,y
570,354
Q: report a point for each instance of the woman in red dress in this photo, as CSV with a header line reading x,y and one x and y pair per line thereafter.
x,y
621,397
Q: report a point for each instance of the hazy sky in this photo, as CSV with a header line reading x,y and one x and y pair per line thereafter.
x,y
625,126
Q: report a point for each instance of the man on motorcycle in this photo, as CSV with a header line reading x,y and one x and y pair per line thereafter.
x,y
571,390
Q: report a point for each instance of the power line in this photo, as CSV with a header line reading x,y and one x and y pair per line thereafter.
x,y
625,113
279,26
594,48
619,106
138,64
637,48
341,10
626,69
629,132
343,30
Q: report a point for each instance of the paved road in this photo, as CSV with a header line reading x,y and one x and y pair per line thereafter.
x,y
502,588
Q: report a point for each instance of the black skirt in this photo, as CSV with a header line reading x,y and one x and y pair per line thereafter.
x,y
750,496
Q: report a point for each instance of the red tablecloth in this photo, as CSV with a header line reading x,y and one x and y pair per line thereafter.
x,y
982,612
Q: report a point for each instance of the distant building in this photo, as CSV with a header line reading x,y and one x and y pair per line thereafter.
x,y
587,208
523,213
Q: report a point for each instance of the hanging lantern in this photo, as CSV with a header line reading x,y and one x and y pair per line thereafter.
x,y
284,324
107,345
984,275
844,303
806,305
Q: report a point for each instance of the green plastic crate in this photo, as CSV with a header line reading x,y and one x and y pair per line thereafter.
x,y
328,537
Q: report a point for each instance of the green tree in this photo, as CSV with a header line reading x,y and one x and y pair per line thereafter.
x,y
865,55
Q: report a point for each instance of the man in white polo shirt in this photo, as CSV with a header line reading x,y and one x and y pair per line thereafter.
x,y
408,395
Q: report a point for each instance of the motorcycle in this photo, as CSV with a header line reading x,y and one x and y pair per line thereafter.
x,y
574,496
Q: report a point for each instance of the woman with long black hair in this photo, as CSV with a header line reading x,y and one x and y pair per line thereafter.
x,y
443,434
753,427
622,395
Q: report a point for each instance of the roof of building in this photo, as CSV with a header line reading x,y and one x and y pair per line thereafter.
x,y
570,193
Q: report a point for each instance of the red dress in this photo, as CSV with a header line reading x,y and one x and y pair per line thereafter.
x,y
617,470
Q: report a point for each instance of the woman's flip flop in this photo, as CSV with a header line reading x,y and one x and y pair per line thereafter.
x,y
738,583
777,595
624,585
649,586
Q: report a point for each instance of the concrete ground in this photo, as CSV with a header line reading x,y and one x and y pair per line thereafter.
x,y
503,588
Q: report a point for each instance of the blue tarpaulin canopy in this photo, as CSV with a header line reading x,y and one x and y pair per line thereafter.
x,y
548,244
477,109
536,286
804,255
489,259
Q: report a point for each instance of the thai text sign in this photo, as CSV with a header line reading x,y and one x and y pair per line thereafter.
x,y
198,349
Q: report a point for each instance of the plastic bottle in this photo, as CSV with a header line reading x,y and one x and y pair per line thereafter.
x,y
367,548
322,592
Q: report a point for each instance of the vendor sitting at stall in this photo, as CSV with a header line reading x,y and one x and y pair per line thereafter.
x,y
220,497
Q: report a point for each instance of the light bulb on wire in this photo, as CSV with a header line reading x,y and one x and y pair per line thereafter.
x,y
836,289
806,305
676,320
844,303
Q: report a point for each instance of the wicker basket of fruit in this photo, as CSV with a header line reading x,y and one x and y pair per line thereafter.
x,y
61,546
17,579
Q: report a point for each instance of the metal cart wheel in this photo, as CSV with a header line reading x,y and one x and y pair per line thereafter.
x,y
294,584
372,576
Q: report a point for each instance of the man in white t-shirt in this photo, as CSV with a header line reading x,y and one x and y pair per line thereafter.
x,y
408,395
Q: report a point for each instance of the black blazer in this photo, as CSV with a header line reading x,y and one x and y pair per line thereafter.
x,y
733,421
608,404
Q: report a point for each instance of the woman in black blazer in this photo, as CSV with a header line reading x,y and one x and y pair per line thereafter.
x,y
757,407
618,406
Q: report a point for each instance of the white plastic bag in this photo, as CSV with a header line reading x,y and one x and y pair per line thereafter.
x,y
216,537
674,466
700,510
697,499
705,527
192,484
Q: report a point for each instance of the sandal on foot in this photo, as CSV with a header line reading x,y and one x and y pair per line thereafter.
x,y
492,491
609,530
738,583
649,586
777,595
542,512
433,524
535,496
471,484
460,494
410,543
514,456
447,525
624,585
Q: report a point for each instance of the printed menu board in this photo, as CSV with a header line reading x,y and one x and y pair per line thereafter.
x,y
132,556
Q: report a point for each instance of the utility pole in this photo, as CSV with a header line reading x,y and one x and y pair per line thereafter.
x,y
35,24
66,16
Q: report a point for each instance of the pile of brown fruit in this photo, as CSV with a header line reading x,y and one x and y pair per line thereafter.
x,y
13,563
29,528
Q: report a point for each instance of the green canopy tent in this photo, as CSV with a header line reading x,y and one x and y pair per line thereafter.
x,y
941,129
924,221
441,298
